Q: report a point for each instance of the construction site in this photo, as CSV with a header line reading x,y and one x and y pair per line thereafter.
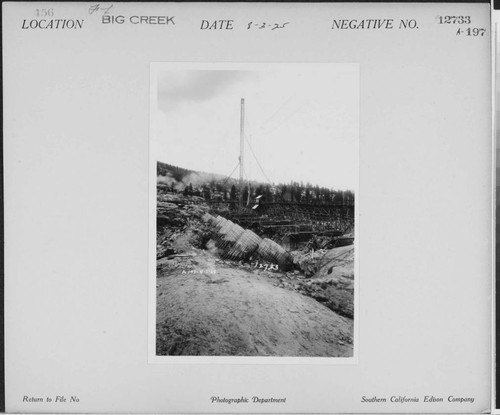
x,y
252,269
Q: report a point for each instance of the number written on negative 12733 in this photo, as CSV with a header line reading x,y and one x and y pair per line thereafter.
x,y
454,20
267,267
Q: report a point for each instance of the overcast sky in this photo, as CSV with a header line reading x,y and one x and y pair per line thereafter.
x,y
302,123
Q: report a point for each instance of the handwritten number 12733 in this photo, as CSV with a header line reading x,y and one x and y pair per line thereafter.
x,y
454,19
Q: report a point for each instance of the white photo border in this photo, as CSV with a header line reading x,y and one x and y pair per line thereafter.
x,y
152,358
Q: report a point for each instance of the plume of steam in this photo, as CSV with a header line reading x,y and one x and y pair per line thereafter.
x,y
195,179
169,181
199,179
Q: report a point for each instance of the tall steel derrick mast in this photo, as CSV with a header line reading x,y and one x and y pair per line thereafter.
x,y
242,147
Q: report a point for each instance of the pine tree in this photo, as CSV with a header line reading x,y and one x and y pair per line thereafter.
x,y
206,192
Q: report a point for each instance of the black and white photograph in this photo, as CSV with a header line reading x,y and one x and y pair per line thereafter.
x,y
256,178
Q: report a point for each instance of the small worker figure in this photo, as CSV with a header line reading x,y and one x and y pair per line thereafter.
x,y
256,206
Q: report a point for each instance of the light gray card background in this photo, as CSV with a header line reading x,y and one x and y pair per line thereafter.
x,y
76,119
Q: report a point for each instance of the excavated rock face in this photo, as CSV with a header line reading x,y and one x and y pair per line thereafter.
x,y
179,225
333,283
234,242
337,294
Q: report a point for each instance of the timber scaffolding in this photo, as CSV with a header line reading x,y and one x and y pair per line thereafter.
x,y
287,218
284,218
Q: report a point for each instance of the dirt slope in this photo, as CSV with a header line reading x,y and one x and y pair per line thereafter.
x,y
240,312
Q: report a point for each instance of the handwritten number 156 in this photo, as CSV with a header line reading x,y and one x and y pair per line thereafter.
x,y
44,12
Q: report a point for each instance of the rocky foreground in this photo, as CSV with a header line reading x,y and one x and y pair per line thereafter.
x,y
208,305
